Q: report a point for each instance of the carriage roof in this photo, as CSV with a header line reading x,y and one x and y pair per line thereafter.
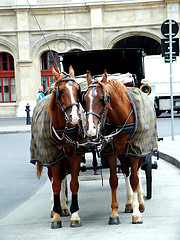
x,y
120,60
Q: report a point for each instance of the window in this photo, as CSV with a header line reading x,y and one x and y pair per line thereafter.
x,y
47,62
7,80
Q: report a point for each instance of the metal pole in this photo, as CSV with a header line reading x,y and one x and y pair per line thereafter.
x,y
171,80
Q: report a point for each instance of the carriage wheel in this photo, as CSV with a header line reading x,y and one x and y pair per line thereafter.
x,y
148,171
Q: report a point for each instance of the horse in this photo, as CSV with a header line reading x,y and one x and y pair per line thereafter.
x,y
55,130
125,131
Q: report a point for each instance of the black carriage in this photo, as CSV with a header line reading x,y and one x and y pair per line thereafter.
x,y
114,61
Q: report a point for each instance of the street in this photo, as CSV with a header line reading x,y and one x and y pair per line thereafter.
x,y
31,221
164,125
18,181
21,192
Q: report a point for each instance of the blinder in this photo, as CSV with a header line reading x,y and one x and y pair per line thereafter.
x,y
106,98
67,78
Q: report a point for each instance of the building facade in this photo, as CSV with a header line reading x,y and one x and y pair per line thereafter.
x,y
30,29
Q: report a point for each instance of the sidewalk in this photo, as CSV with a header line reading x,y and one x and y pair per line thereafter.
x,y
169,150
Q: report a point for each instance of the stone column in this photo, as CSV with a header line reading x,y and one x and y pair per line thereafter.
x,y
24,80
96,25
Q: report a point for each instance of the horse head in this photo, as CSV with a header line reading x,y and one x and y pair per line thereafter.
x,y
66,96
95,101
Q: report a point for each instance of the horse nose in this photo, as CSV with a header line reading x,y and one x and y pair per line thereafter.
x,y
91,131
73,119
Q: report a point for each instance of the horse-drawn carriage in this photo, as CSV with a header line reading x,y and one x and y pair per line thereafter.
x,y
120,123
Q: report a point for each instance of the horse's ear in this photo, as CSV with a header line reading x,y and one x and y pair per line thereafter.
x,y
55,74
104,79
71,71
88,77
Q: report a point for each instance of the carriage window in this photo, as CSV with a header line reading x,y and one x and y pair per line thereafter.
x,y
7,80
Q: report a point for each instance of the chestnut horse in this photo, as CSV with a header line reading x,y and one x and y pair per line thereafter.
x,y
108,105
54,131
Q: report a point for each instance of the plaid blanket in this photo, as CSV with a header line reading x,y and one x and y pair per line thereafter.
x,y
144,136
43,148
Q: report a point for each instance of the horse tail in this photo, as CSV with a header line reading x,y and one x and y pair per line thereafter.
x,y
39,168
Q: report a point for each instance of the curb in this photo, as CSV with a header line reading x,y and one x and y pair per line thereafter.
x,y
170,159
15,131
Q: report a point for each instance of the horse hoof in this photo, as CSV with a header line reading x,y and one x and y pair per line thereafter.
x,y
56,224
137,219
141,208
128,208
75,223
64,213
114,221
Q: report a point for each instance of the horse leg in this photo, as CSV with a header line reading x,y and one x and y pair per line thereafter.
x,y
63,199
56,186
96,171
129,191
74,186
134,180
129,195
114,217
140,193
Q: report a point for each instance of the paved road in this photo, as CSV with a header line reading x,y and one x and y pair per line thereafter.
x,y
18,180
31,220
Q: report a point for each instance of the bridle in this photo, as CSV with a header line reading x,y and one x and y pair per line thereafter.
x,y
67,78
109,138
106,101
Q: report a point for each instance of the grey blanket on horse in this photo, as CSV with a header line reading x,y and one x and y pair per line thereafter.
x,y
43,148
144,136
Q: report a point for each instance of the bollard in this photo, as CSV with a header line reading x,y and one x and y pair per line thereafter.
x,y
28,120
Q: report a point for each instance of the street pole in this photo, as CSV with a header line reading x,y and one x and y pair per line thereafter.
x,y
171,78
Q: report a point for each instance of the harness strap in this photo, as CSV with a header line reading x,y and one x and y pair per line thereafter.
x,y
71,105
55,134
93,113
120,130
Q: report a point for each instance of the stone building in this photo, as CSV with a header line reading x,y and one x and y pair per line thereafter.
x,y
29,29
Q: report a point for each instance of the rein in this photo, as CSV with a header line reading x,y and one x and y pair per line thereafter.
x,y
109,137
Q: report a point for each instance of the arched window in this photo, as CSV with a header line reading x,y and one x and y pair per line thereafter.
x,y
47,62
150,46
7,78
